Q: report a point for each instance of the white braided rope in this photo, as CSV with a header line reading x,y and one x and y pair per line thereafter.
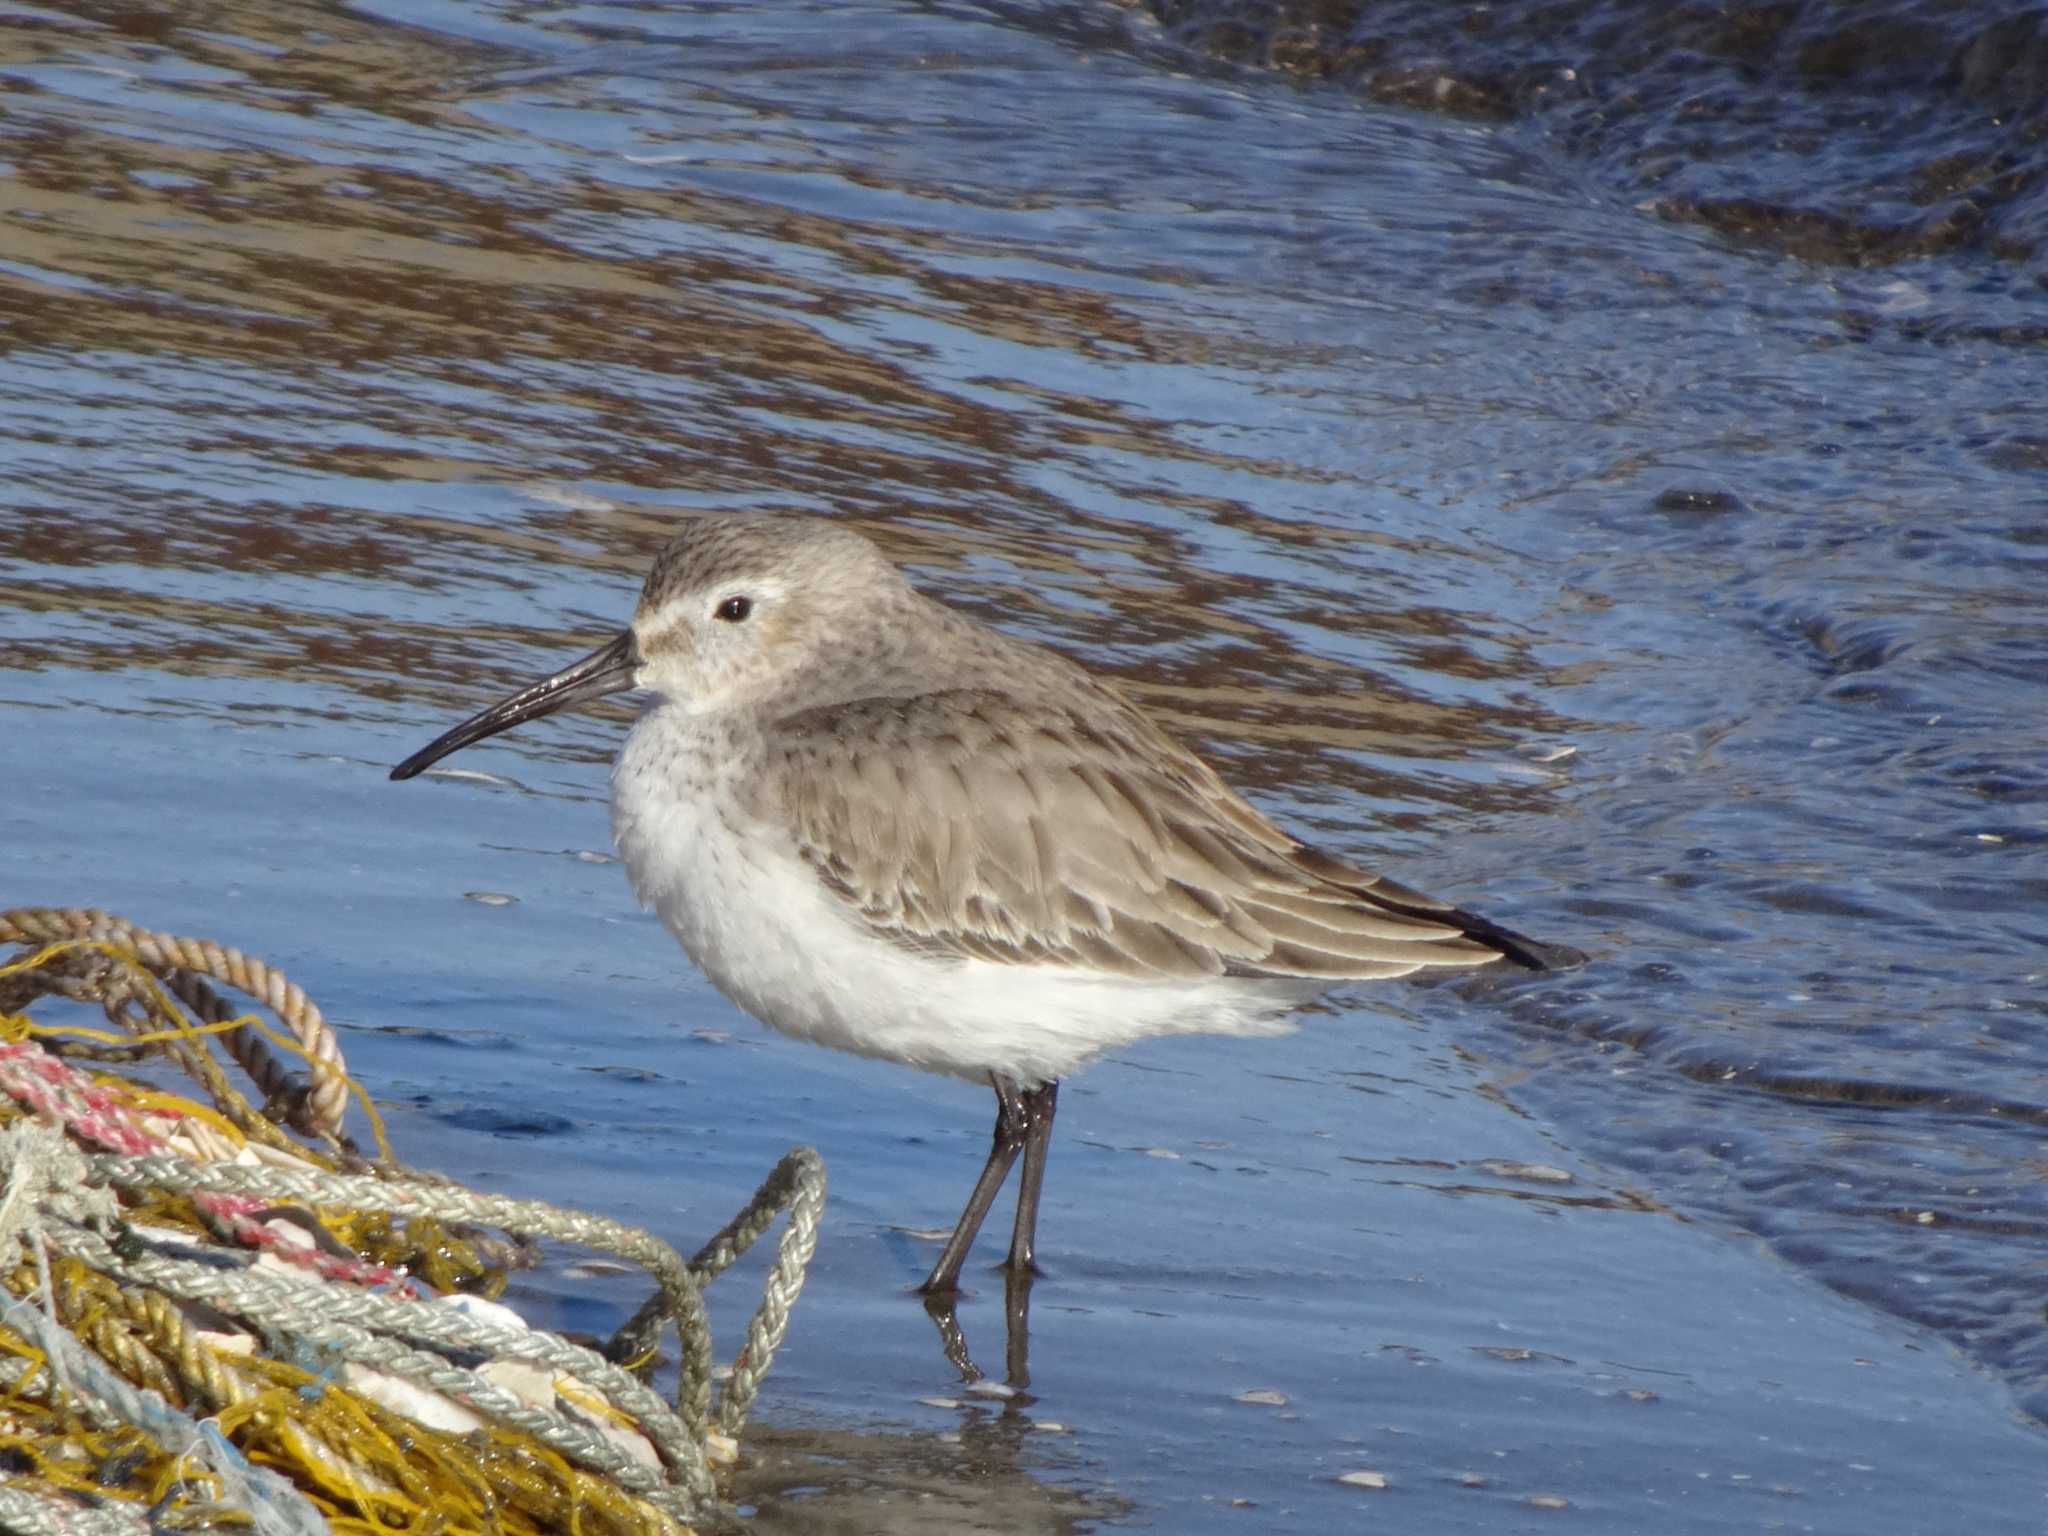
x,y
450,1329
24,1513
799,1182
796,1183
684,1299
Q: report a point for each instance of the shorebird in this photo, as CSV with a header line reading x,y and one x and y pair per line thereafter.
x,y
880,825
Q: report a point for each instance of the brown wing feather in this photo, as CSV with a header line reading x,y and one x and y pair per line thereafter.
x,y
959,823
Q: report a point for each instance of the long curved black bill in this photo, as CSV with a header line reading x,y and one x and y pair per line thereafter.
x,y
608,669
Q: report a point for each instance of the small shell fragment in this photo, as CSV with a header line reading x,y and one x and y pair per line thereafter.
x,y
1535,1173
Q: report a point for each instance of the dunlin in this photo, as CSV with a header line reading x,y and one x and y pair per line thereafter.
x,y
879,825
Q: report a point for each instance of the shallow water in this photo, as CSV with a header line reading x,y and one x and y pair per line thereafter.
x,y
1646,593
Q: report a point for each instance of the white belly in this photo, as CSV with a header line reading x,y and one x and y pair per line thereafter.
x,y
772,938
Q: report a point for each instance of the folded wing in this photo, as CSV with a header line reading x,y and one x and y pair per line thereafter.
x,y
958,824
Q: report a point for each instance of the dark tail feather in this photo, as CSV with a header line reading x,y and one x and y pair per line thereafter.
x,y
1528,953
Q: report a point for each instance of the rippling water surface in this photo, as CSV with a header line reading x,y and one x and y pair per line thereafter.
x,y
1650,593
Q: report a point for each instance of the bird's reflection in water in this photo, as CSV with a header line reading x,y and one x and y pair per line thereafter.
x,y
995,1473
998,1470
942,1308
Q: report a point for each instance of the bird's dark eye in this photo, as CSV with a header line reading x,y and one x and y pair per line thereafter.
x,y
735,609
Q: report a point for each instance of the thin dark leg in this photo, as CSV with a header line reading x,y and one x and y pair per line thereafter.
x,y
1011,1126
1039,1105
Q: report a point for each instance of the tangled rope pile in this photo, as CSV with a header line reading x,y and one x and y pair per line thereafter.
x,y
207,1321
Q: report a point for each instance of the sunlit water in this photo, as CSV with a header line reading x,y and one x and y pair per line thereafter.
x,y
1672,601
